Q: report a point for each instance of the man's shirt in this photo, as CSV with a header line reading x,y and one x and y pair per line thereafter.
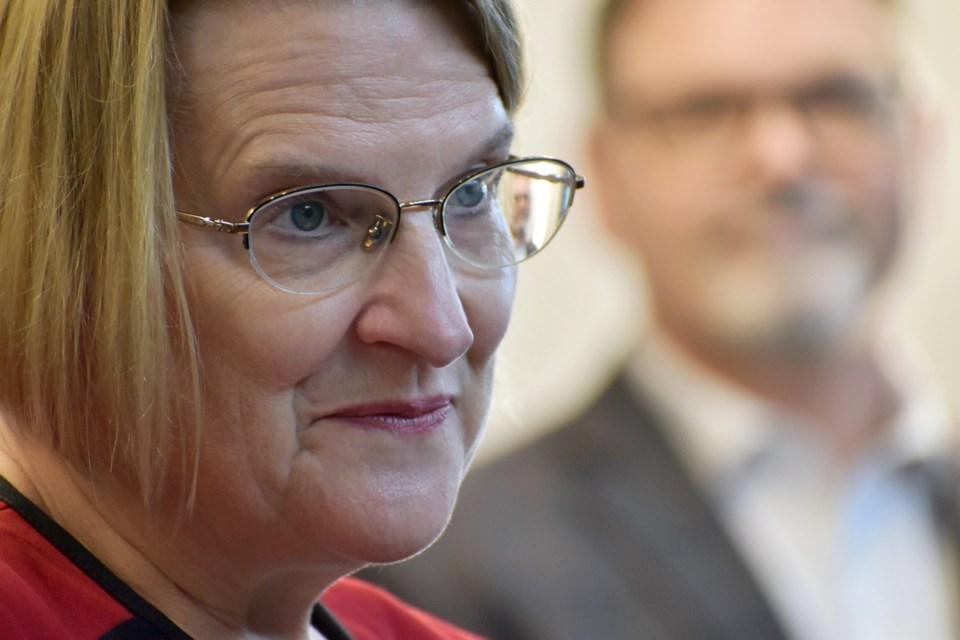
x,y
842,552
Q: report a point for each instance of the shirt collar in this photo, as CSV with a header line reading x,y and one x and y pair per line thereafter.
x,y
925,427
718,427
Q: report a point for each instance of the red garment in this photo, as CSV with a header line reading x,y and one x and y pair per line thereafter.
x,y
370,613
51,588
42,594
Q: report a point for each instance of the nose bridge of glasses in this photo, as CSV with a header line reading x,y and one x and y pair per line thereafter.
x,y
382,227
806,107
433,205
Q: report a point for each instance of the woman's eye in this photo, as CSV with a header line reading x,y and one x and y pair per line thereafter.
x,y
307,216
306,219
471,194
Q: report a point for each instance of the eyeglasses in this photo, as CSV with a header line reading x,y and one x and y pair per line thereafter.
x,y
319,238
844,111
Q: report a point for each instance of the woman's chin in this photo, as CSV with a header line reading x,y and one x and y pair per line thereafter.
x,y
405,535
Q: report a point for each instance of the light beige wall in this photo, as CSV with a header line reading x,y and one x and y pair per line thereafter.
x,y
580,305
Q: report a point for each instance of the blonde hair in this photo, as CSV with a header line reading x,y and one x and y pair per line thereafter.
x,y
97,350
95,337
495,24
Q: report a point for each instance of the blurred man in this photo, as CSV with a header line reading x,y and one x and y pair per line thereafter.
x,y
766,465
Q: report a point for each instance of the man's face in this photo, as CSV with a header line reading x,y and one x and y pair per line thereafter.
x,y
753,157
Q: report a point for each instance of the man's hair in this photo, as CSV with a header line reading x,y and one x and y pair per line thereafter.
x,y
609,15
98,357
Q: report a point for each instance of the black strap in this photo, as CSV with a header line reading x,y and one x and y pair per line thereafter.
x,y
323,621
133,629
90,565
148,623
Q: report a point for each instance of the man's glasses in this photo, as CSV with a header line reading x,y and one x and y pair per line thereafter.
x,y
318,238
844,110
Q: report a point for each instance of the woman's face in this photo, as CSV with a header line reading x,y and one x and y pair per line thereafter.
x,y
337,427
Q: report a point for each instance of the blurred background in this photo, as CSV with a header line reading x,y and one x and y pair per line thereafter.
x,y
580,304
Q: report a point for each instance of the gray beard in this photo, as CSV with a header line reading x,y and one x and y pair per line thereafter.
x,y
795,310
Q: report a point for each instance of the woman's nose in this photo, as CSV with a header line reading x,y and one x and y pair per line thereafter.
x,y
414,302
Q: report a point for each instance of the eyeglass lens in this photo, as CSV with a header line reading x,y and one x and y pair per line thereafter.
x,y
844,110
319,238
506,214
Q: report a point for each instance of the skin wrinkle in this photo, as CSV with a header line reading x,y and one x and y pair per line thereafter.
x,y
415,251
362,139
288,493
131,544
254,446
235,93
382,361
286,168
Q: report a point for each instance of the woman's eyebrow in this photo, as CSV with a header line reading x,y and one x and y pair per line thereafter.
x,y
296,171
502,139
301,172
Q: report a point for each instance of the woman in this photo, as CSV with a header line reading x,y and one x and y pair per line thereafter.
x,y
201,432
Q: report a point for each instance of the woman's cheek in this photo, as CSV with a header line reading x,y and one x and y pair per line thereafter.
x,y
488,304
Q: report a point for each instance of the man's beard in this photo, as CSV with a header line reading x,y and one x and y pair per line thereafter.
x,y
796,308
804,298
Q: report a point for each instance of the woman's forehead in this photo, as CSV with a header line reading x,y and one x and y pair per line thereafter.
x,y
363,51
355,85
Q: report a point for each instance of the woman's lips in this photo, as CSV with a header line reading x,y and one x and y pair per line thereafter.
x,y
410,417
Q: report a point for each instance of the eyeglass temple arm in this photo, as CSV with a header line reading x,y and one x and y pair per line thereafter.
x,y
579,181
222,226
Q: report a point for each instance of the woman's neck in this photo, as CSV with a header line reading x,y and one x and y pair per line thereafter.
x,y
161,555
